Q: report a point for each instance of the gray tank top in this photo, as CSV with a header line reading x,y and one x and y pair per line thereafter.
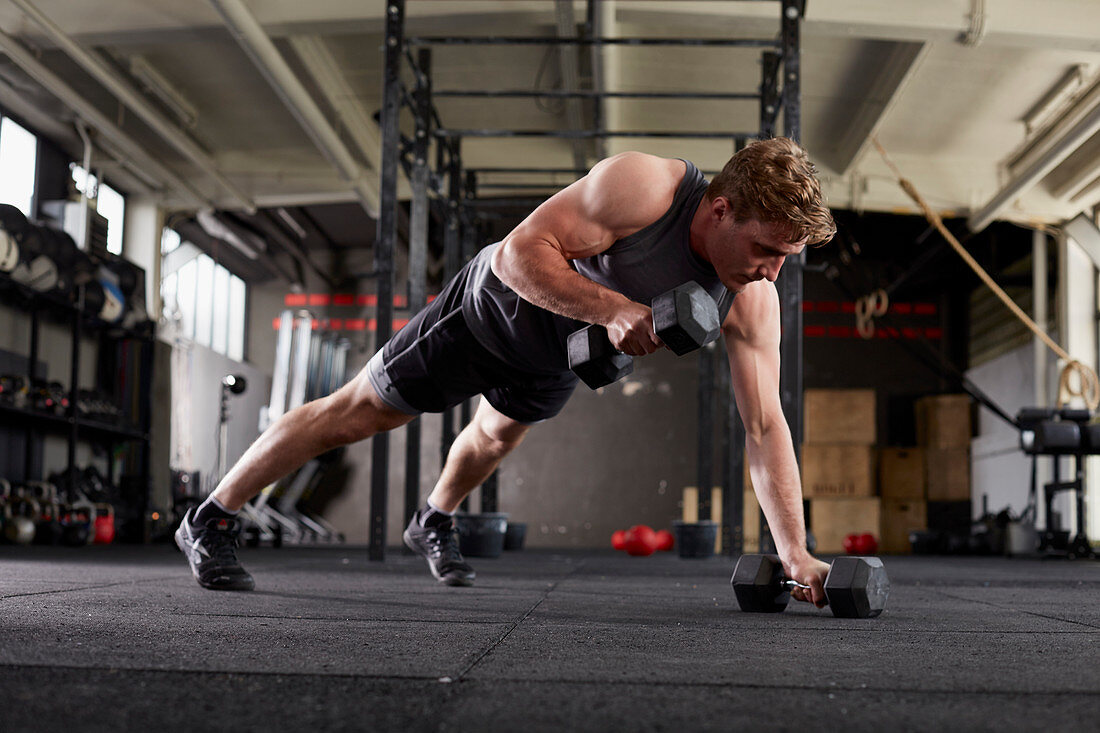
x,y
645,264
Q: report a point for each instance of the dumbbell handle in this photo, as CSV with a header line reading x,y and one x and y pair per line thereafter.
x,y
794,584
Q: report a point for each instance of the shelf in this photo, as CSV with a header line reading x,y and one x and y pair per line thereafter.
x,y
84,425
63,308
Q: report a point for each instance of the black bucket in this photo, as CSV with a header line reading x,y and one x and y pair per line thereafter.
x,y
695,539
481,535
514,536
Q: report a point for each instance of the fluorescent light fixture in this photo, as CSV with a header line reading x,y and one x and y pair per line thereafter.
x,y
164,90
217,229
1055,98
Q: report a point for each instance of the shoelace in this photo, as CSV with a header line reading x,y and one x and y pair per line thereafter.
x,y
444,543
221,543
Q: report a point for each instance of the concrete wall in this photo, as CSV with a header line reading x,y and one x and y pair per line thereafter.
x,y
1000,471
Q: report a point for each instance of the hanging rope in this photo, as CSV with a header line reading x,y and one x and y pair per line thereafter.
x,y
868,308
1088,386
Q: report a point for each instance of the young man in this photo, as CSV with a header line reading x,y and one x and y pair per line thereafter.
x,y
596,252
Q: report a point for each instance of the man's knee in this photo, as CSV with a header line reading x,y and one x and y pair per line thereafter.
x,y
357,412
498,433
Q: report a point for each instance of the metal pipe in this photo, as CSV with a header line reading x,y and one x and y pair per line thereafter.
x,y
567,65
260,48
85,220
1039,311
418,255
447,132
385,245
25,60
556,41
591,94
790,278
594,28
581,171
133,99
354,116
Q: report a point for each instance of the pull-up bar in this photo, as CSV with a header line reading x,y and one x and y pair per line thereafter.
x,y
566,41
591,94
453,133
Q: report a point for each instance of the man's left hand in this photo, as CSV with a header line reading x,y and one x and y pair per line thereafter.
x,y
810,571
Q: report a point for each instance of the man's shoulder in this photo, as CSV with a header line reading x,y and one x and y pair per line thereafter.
x,y
643,167
643,184
754,314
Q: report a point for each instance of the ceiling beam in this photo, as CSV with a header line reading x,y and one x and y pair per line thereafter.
x,y
88,112
866,120
261,49
133,99
356,119
1068,25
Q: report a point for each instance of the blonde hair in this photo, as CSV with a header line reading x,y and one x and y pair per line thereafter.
x,y
774,181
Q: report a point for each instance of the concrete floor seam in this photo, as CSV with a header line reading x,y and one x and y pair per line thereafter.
x,y
57,591
223,672
1019,610
341,620
515,625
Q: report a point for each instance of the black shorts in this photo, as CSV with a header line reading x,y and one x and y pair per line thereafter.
x,y
435,362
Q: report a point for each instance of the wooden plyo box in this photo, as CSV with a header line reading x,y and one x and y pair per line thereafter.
x,y
839,416
837,470
832,519
899,518
902,473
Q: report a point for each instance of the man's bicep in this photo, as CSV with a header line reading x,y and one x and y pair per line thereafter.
x,y
751,334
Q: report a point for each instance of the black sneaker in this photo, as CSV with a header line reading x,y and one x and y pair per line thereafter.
x,y
439,546
212,553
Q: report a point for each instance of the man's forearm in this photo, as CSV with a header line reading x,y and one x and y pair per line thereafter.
x,y
778,488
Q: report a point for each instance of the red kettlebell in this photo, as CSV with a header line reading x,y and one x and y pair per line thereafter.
x,y
640,540
104,524
665,541
618,539
866,544
851,544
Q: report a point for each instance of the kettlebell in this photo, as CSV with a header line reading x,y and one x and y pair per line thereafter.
x,y
104,524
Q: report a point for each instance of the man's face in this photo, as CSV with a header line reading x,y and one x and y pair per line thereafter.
x,y
747,251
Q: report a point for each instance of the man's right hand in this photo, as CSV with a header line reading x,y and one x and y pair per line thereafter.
x,y
631,330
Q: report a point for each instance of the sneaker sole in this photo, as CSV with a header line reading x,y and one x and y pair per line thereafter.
x,y
456,582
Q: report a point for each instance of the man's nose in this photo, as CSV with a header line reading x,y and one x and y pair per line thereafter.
x,y
770,269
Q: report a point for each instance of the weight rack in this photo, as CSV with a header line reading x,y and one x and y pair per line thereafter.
x,y
457,203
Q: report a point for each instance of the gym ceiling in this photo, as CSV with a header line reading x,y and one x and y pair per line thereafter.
x,y
991,108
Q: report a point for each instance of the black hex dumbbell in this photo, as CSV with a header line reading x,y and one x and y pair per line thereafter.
x,y
856,587
685,319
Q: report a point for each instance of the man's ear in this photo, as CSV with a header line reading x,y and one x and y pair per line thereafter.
x,y
720,207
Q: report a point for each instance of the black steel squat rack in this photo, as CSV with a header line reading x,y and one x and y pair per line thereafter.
x,y
458,205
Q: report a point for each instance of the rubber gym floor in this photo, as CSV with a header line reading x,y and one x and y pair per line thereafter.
x,y
122,638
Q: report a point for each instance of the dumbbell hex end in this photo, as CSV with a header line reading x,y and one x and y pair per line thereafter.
x,y
857,587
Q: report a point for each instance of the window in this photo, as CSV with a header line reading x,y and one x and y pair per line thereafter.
x,y
207,299
106,201
18,156
112,206
237,295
